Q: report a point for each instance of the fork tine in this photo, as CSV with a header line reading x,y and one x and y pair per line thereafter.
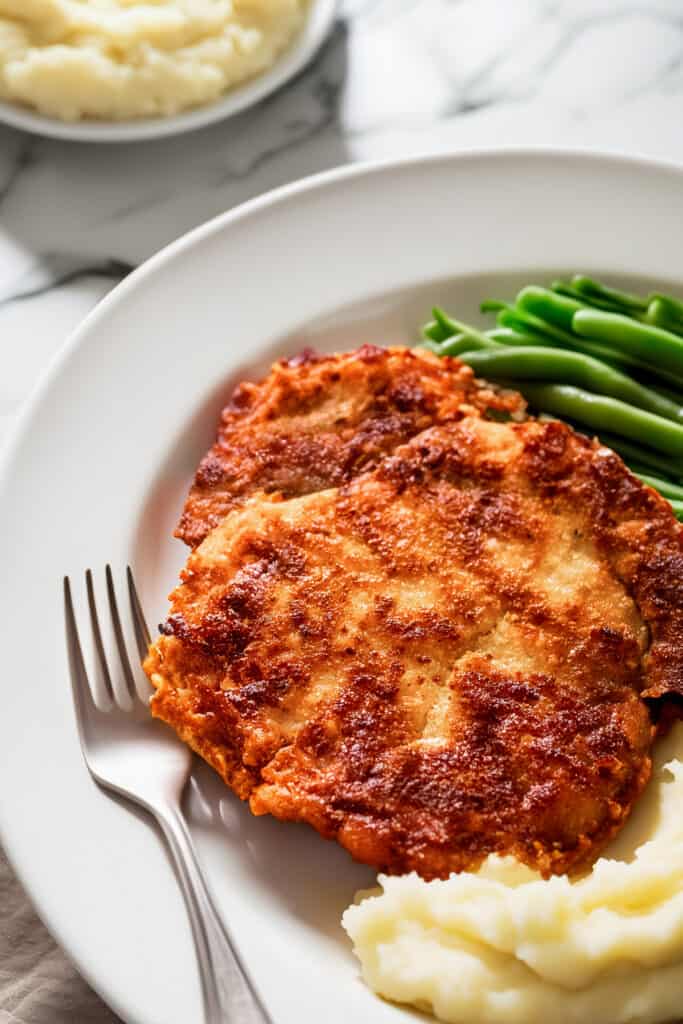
x,y
80,687
142,635
118,633
97,636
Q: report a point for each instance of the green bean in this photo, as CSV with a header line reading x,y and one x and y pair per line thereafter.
x,y
550,334
448,327
673,307
603,413
594,290
549,306
456,327
539,363
538,306
670,492
657,309
638,469
466,342
559,310
506,336
550,316
441,328
656,385
665,488
663,313
654,346
512,319
563,288
633,454
509,315
433,331
509,319
520,319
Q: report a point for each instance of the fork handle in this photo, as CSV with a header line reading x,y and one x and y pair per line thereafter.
x,y
227,994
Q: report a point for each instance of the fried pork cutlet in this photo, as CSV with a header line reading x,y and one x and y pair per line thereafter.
x,y
317,421
449,656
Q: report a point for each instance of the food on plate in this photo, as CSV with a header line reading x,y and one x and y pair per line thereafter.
x,y
600,358
123,59
450,636
317,421
503,946
456,653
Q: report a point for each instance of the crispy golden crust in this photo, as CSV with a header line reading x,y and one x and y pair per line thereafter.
x,y
445,657
317,421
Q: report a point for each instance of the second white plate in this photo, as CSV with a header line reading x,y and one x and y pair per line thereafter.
x,y
293,60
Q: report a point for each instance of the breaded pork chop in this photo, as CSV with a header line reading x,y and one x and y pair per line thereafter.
x,y
444,658
317,421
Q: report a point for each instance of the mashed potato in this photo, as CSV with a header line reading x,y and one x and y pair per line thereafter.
x,y
503,946
121,59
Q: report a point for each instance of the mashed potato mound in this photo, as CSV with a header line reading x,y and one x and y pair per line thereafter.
x,y
123,59
503,946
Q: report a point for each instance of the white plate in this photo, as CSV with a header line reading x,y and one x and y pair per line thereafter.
x,y
97,470
303,49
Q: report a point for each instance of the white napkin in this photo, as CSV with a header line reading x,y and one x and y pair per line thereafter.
x,y
38,984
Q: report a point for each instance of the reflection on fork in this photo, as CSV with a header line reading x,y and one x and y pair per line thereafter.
x,y
131,754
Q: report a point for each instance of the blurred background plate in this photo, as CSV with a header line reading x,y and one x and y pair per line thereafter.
x,y
318,23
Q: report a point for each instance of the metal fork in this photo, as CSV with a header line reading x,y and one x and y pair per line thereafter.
x,y
137,757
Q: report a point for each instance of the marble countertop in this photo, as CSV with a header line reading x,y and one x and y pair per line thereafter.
x,y
395,78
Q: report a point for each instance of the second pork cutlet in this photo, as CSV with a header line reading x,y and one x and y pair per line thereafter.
x,y
317,421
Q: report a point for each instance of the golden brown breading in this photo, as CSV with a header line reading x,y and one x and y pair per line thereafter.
x,y
317,421
445,657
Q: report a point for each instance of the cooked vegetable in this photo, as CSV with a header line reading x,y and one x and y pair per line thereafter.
x,y
545,333
555,309
604,359
506,336
604,413
540,363
677,506
453,337
641,458
433,332
460,343
664,487
665,312
652,345
566,288
593,290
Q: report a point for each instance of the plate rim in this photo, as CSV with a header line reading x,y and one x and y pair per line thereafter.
x,y
222,221
288,64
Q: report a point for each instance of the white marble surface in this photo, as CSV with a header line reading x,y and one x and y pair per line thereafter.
x,y
396,77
